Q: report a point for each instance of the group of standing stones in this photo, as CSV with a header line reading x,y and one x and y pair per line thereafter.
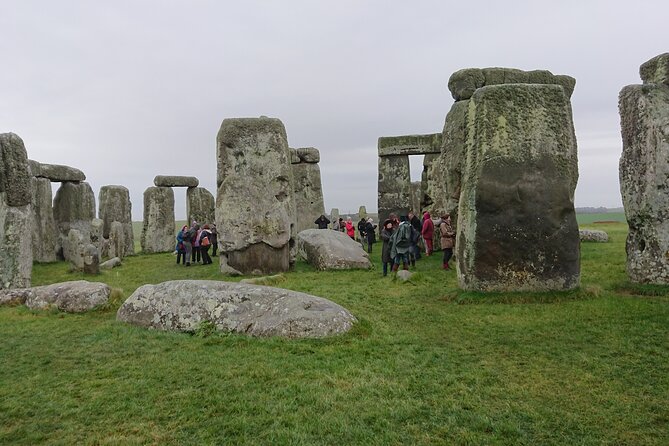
x,y
35,227
261,184
644,172
505,167
159,221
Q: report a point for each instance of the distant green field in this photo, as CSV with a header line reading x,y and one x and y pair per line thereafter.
x,y
587,219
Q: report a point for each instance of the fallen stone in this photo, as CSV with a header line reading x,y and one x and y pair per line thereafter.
x,y
183,305
327,250
111,263
265,280
175,181
656,70
592,235
59,174
404,275
72,297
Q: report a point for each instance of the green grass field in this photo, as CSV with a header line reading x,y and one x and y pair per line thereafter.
x,y
426,364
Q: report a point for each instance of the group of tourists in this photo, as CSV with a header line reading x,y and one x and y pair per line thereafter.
x,y
193,244
366,229
401,238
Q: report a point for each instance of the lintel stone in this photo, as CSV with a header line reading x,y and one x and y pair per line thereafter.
x,y
175,181
410,144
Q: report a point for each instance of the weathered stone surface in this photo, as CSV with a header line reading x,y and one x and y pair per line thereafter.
x,y
431,189
35,168
464,83
158,227
328,250
446,172
334,215
362,212
404,275
72,297
200,205
15,296
14,170
97,239
265,280
308,193
117,242
73,208
115,205
644,180
309,155
111,263
517,227
409,144
91,259
16,257
183,305
44,233
57,173
592,235
294,158
254,169
73,249
656,70
175,181
416,196
394,190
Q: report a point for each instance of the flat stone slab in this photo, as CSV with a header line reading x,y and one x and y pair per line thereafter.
x,y
183,305
409,144
175,181
72,297
326,250
111,263
593,235
56,172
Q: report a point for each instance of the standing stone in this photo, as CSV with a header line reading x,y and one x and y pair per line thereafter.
x,y
255,207
73,249
91,259
115,205
394,194
44,232
200,205
517,227
73,208
430,187
362,213
644,173
158,231
307,188
97,239
16,257
448,169
416,196
334,216
117,242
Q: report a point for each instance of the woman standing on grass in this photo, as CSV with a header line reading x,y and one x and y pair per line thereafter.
x,y
350,229
205,243
214,240
447,239
370,230
181,249
427,233
386,233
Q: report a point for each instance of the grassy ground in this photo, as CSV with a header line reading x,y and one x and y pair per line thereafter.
x,y
426,364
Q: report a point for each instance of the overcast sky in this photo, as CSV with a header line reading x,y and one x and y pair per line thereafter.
x,y
126,90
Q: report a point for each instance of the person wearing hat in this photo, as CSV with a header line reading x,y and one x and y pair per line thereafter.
x,y
386,234
447,239
370,231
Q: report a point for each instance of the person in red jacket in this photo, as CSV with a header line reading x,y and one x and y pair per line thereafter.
x,y
427,232
350,229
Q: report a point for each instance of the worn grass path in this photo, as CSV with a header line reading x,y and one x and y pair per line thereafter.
x,y
426,364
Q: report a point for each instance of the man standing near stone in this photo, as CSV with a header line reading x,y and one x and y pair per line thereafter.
x,y
362,235
322,222
415,222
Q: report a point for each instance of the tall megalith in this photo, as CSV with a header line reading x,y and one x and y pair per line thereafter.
x,y
394,186
517,227
44,233
307,187
74,208
644,172
15,214
114,205
158,230
254,197
200,205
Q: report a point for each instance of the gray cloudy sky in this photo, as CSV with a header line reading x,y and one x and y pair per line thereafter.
x,y
126,90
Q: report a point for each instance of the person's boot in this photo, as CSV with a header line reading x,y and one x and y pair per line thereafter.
x,y
404,266
446,265
413,262
396,266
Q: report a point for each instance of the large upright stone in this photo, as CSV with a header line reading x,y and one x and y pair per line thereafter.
x,y
254,201
200,205
656,70
117,242
44,234
307,188
334,215
447,170
15,214
115,205
644,179
73,208
517,227
362,212
158,231
394,193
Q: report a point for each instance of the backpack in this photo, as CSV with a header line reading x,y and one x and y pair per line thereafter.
x,y
402,236
204,241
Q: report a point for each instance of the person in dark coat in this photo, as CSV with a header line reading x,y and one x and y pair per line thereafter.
x,y
415,222
214,240
181,249
370,231
427,233
322,222
362,224
386,234
205,242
